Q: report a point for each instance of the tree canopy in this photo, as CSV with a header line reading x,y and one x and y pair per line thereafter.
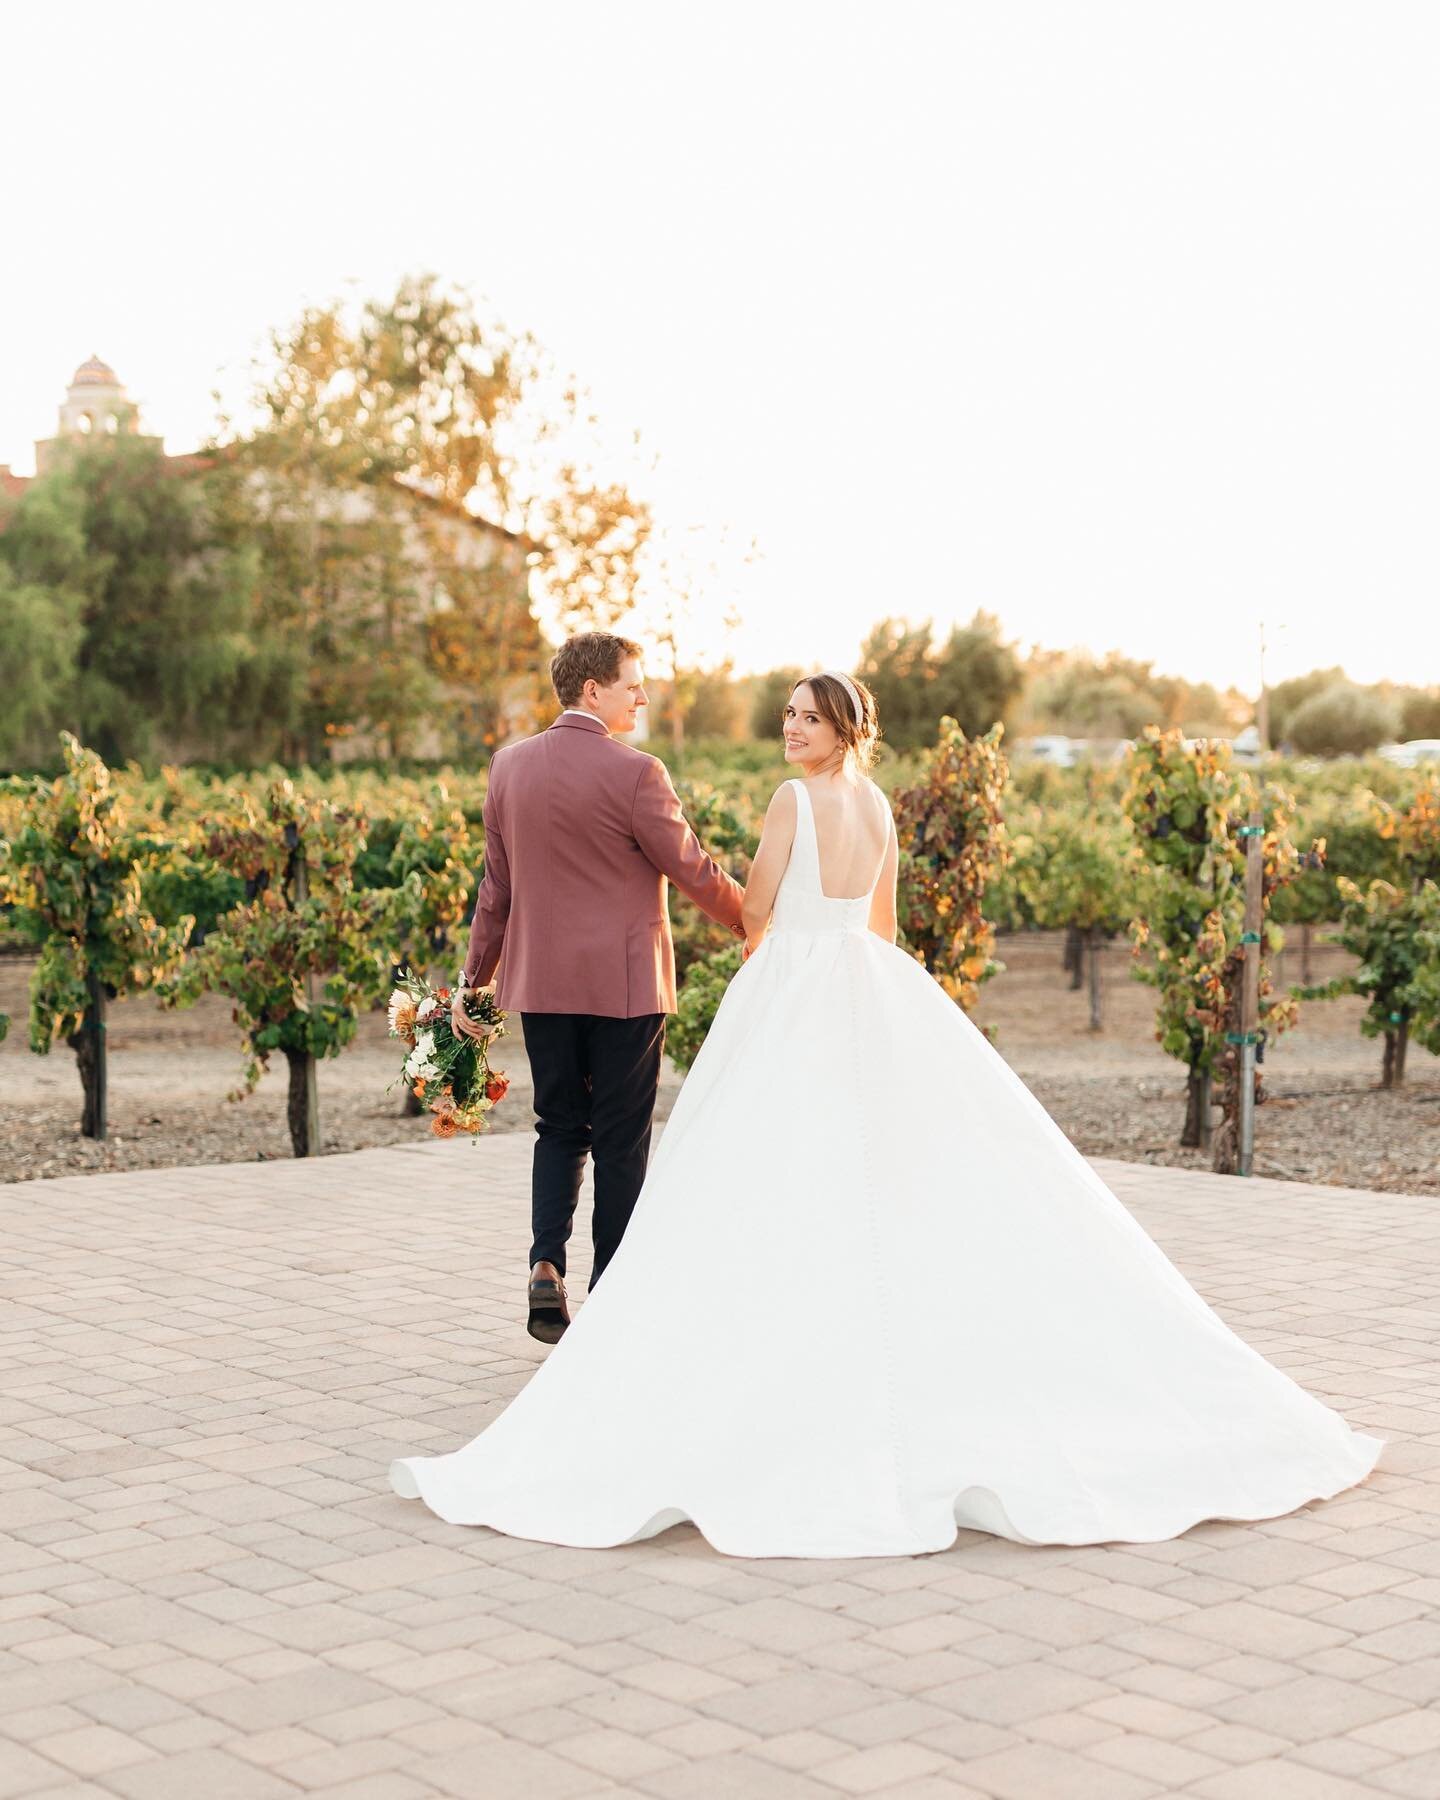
x,y
974,678
122,600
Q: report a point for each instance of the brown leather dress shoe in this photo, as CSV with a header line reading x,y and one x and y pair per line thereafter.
x,y
549,1314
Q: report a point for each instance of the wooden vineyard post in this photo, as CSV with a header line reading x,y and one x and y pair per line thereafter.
x,y
1095,943
1248,1035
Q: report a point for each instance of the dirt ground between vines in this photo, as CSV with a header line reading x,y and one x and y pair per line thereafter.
x,y
1115,1094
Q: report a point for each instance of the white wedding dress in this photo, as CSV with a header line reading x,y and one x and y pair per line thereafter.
x,y
870,1292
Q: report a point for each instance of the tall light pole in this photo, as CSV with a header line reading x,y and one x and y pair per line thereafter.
x,y
1249,1034
1262,707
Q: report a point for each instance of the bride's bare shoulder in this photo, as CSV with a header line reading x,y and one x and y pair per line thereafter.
x,y
882,802
777,833
782,804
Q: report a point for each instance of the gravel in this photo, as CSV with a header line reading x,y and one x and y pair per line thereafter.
x,y
1115,1094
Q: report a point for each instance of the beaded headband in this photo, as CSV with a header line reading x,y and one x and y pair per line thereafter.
x,y
851,689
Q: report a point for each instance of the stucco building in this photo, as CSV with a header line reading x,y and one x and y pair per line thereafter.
x,y
461,580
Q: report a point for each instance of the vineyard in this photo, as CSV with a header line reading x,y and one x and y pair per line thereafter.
x,y
278,906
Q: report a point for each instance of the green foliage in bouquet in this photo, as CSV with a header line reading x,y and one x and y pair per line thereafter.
x,y
72,879
953,844
451,1074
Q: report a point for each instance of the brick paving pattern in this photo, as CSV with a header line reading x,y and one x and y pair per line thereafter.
x,y
208,1592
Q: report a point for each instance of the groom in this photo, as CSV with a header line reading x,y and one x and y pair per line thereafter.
x,y
581,834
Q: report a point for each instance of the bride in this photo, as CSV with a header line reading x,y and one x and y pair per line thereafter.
x,y
870,1292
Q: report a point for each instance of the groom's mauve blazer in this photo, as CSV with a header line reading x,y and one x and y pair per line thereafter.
x,y
581,832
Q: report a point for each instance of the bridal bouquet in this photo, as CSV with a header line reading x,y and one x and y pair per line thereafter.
x,y
452,1072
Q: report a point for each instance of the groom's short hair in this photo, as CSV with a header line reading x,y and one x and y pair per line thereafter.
x,y
589,656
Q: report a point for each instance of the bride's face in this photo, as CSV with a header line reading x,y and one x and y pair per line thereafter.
x,y
810,739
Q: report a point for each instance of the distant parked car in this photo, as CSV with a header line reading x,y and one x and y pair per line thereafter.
x,y
1058,751
1245,745
1411,755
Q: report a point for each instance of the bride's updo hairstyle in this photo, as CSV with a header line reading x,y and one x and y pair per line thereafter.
x,y
835,703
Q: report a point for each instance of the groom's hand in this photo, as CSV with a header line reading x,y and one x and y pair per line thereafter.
x,y
460,1021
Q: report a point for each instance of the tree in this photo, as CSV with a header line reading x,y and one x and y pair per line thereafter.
x,y
1286,697
718,704
305,951
460,407
897,665
1394,935
1419,713
769,696
978,677
1117,697
123,544
72,880
1342,720
592,539
952,845
975,678
1346,823
1392,928
389,442
1109,699
1188,805
314,489
1078,876
40,638
486,644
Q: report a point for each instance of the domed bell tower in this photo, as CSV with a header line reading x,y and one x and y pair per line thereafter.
x,y
95,406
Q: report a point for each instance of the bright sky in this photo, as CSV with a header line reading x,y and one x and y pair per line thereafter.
x,y
1119,320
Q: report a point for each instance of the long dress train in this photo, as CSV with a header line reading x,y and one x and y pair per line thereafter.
x,y
870,1292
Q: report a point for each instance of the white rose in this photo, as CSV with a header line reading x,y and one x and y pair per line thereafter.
x,y
420,1064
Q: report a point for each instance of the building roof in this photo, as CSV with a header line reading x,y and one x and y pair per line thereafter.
x,y
94,373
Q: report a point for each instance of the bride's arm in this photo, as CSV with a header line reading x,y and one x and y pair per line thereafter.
x,y
777,835
882,905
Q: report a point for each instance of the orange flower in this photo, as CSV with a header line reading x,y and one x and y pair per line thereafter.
x,y
405,1022
419,1090
444,1124
497,1087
